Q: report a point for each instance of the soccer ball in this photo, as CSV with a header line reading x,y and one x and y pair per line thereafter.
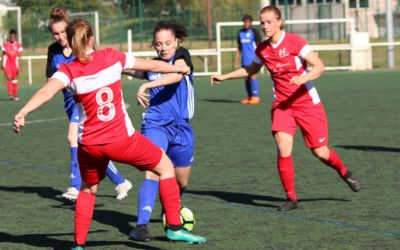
x,y
187,219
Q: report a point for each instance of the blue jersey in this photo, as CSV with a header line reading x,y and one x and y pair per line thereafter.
x,y
172,102
247,40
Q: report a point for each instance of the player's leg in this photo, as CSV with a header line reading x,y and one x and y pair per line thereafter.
x,y
284,129
93,169
15,83
122,185
247,84
8,75
255,97
314,126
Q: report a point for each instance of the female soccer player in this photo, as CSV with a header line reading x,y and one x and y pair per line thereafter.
x,y
247,40
58,53
166,121
11,61
106,131
296,100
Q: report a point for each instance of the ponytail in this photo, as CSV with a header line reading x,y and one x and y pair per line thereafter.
x,y
179,31
79,33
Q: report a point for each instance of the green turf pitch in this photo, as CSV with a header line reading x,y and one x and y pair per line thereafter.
x,y
235,188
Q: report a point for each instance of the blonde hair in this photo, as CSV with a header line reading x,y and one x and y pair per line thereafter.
x,y
57,15
79,33
276,11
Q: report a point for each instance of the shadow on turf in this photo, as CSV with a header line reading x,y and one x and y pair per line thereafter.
x,y
220,101
253,200
47,241
370,148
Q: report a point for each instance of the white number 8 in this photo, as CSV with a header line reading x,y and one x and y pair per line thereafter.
x,y
109,96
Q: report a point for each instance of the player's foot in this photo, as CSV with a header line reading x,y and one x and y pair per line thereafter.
x,y
16,98
11,97
123,189
288,205
71,194
78,247
186,236
140,233
254,100
245,101
352,181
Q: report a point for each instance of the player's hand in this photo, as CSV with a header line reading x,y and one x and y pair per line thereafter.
x,y
19,122
298,80
185,70
142,97
216,79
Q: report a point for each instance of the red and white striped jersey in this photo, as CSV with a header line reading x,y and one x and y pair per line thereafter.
x,y
285,60
98,93
11,52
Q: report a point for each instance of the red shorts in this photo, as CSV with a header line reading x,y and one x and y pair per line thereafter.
x,y
311,120
11,71
136,150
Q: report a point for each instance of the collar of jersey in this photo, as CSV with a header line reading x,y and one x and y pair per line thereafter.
x,y
276,45
89,52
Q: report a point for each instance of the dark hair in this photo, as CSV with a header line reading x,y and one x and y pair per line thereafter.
x,y
247,17
179,31
276,11
79,33
13,32
57,15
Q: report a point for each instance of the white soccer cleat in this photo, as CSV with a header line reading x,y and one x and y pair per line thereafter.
x,y
123,189
71,194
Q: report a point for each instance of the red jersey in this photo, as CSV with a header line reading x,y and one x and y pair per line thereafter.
x,y
285,60
11,52
98,93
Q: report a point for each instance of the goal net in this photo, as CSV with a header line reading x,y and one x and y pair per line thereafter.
x,y
330,38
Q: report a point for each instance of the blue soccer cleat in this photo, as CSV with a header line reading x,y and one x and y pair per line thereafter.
x,y
186,236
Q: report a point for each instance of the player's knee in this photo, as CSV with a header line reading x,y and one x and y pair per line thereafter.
x,y
89,188
165,169
183,183
284,150
321,153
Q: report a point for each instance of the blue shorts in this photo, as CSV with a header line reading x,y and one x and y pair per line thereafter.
x,y
70,107
175,138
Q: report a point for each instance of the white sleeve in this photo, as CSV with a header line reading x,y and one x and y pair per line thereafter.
x,y
304,51
257,60
3,48
129,62
20,49
62,77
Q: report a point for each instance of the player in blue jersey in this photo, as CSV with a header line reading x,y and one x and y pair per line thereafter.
x,y
247,40
59,53
166,121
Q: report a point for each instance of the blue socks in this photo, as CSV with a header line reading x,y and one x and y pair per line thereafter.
x,y
254,87
248,87
75,179
147,198
113,174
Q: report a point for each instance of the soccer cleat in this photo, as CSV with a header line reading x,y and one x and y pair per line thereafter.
x,y
78,247
71,194
123,189
288,205
140,233
254,100
245,101
16,98
186,236
11,97
352,181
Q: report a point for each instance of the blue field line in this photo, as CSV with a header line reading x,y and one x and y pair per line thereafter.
x,y
340,224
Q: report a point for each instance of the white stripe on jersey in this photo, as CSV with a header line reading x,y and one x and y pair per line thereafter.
x,y
129,62
82,118
128,123
104,77
62,77
190,100
312,91
304,51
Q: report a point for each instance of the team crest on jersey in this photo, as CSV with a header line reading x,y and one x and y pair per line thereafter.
x,y
248,34
283,52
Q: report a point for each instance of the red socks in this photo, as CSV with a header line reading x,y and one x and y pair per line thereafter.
x,y
169,196
286,173
83,216
15,88
9,87
335,162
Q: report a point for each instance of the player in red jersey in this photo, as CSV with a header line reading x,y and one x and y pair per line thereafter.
x,y
11,54
105,130
296,100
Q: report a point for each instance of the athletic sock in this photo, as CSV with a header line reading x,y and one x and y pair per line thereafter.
x,y
181,191
15,88
254,87
75,178
83,216
113,174
169,196
147,198
248,87
286,173
9,88
335,162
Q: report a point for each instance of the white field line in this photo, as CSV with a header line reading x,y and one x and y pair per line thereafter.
x,y
35,121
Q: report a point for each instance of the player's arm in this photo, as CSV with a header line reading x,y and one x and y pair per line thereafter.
x,y
42,96
317,69
169,79
2,59
134,73
239,73
159,66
